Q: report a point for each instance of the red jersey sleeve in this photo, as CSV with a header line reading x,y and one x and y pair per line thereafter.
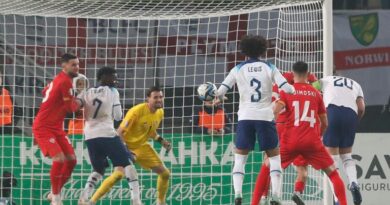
x,y
68,98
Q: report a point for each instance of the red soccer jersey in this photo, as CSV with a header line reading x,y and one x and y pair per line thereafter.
x,y
290,79
57,102
302,111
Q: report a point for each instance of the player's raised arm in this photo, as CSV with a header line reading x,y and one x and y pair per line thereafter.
x,y
281,81
227,84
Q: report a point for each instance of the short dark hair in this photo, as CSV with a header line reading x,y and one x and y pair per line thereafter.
x,y
106,70
253,46
67,57
300,67
153,89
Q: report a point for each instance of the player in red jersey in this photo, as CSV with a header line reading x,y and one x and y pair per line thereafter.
x,y
48,129
303,131
260,191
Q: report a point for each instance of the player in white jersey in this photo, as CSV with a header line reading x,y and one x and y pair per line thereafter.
x,y
102,107
254,79
344,101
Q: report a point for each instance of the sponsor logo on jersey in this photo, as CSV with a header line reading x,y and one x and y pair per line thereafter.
x,y
364,27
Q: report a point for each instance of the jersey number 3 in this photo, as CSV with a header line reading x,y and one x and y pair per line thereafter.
x,y
301,117
256,97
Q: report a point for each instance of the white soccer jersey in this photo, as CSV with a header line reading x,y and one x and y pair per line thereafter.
x,y
101,107
254,80
341,91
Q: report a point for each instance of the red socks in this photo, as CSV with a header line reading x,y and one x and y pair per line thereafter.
x,y
339,187
67,170
262,184
299,186
56,176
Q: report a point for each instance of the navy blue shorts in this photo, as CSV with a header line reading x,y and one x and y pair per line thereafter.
x,y
249,130
101,148
342,127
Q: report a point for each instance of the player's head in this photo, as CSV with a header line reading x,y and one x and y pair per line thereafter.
x,y
300,71
253,46
107,76
155,97
70,64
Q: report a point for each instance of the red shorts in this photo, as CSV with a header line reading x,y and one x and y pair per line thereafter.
x,y
53,143
315,155
299,160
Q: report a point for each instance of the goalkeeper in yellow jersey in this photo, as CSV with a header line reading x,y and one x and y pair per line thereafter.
x,y
139,125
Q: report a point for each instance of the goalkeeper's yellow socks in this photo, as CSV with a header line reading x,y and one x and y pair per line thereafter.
x,y
162,185
107,184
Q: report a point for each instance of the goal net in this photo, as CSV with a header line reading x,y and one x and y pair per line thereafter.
x,y
177,45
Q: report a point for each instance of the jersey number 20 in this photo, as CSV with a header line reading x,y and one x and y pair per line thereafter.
x,y
301,117
341,82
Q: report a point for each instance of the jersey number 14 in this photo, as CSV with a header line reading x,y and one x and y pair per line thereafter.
x,y
303,117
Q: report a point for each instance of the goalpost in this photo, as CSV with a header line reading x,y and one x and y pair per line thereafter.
x,y
175,44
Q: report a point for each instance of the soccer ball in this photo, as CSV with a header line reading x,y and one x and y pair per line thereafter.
x,y
207,91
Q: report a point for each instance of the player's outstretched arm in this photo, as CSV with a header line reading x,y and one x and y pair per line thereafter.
x,y
282,82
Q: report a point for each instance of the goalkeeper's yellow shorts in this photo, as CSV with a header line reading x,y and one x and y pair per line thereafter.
x,y
147,157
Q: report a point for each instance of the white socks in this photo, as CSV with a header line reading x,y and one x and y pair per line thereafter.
x,y
238,173
276,175
349,167
93,179
336,160
132,179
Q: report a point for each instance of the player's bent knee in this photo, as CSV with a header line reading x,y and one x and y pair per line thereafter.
x,y
120,169
329,170
273,152
71,163
60,157
165,174
118,175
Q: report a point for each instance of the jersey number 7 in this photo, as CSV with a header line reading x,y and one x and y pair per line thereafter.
x,y
98,103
